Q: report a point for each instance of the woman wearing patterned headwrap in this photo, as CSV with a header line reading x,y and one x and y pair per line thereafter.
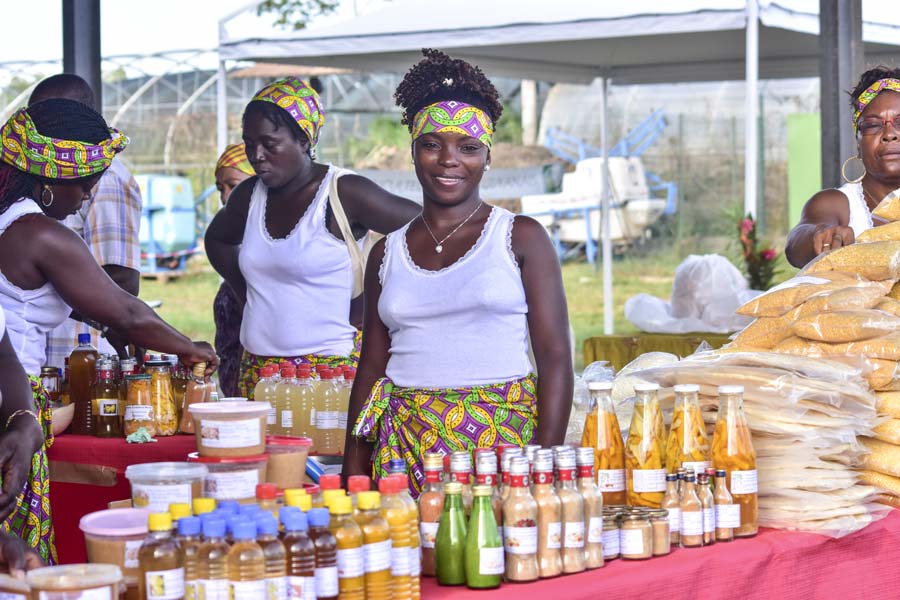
x,y
452,298
52,155
835,217
231,169
279,245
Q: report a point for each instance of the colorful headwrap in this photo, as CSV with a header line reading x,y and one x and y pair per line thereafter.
x,y
235,157
300,100
28,150
871,93
455,116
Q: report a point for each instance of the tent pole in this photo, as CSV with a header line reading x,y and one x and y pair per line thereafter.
x,y
751,107
605,231
222,93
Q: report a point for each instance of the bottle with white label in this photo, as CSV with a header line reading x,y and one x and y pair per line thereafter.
x,y
728,514
189,542
593,508
733,452
266,390
549,542
331,438
396,513
520,530
301,557
345,385
105,398
672,503
246,562
709,509
688,445
602,433
160,562
275,556
484,548
326,559
431,502
376,545
645,460
691,515
572,511
349,537
304,411
212,561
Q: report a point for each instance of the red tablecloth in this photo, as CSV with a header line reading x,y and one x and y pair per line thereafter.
x,y
774,565
87,473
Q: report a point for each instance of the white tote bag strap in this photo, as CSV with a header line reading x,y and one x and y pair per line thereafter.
x,y
357,259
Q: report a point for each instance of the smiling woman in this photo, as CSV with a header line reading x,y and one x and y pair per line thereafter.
x,y
836,217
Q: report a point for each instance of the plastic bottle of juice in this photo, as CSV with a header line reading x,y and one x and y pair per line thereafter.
x,y
394,511
331,438
355,485
275,556
301,501
351,573
267,498
190,543
376,546
304,405
301,557
212,566
431,502
159,561
285,398
246,562
415,543
178,511
326,554
344,402
82,363
266,390
645,459
105,403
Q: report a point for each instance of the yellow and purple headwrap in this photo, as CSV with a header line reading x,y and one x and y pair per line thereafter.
x,y
300,101
235,157
26,149
871,93
455,116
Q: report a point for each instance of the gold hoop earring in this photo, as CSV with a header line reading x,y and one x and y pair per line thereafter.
x,y
844,169
487,168
47,189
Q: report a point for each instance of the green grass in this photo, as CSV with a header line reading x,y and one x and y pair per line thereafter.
x,y
187,300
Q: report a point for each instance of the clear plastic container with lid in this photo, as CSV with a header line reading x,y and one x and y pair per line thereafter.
x,y
114,537
232,478
688,445
645,460
602,433
154,486
75,581
230,429
287,460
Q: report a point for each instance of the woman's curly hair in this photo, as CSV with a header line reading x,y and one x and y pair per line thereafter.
x,y
438,77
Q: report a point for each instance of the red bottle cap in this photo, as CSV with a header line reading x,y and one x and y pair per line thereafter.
x,y
330,482
387,485
266,491
358,483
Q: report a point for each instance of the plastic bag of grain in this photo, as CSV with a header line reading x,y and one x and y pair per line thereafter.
x,y
876,261
846,325
794,292
890,231
889,207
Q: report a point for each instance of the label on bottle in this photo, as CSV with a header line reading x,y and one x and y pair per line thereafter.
x,y
108,407
235,485
342,420
574,534
48,383
610,542
542,477
241,433
350,563
139,412
415,561
276,587
326,582
327,419
400,561
697,467
287,419
158,497
191,590
103,593
131,553
649,480
521,540
490,561
247,589
674,519
165,585
611,480
632,542
709,520
270,416
214,589
692,522
300,588
377,556
554,535
743,482
486,479
728,516
595,530
428,534
312,418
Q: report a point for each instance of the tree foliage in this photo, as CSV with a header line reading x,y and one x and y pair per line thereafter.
x,y
295,14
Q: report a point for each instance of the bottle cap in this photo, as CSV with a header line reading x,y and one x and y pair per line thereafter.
x,y
295,521
288,372
159,522
341,505
243,529
368,500
213,528
349,373
324,372
486,463
329,496
330,482
203,505
730,390
671,476
284,511
179,510
690,477
266,491
318,517
302,502
482,490
249,510
543,461
199,370
387,485
721,472
293,493
600,386
453,487
518,465
433,461
646,387
584,457
189,526
266,525
357,484
230,520
507,456
230,505
702,478
565,458
83,339
401,483
397,466
460,462
686,388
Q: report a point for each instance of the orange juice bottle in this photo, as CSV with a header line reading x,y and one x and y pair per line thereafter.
x,y
415,541
304,405
376,546
602,433
395,512
733,452
246,562
351,565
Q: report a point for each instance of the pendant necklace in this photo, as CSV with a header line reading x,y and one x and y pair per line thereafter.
x,y
439,245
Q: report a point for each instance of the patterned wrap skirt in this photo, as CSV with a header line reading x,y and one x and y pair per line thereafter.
x,y
30,520
228,314
407,422
252,364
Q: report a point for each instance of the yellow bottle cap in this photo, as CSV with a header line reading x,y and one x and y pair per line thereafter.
x,y
179,510
291,493
204,505
328,497
303,502
341,505
159,522
368,500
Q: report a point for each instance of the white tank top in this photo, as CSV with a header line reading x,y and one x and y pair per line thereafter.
x,y
463,325
30,314
860,216
298,287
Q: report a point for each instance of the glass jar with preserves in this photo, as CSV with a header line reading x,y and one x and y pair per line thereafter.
x,y
611,534
162,397
602,433
733,452
659,526
636,536
105,398
50,383
688,446
138,405
645,461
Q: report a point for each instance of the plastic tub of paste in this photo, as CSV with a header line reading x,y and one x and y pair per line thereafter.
x,y
287,460
232,478
114,537
76,582
154,486
230,429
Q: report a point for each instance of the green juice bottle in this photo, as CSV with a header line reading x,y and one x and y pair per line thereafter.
x,y
484,548
450,546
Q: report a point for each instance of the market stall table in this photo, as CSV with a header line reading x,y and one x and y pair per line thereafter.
x,y
620,350
87,473
775,564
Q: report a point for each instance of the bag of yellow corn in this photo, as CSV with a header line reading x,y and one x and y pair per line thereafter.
x,y
875,261
782,298
889,207
883,457
765,332
885,483
884,375
888,403
846,325
886,347
888,305
844,299
890,231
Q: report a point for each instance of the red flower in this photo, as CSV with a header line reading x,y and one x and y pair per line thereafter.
x,y
747,226
769,254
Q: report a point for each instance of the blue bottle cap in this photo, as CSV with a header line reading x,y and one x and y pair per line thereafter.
x,y
266,525
213,528
230,520
189,526
83,339
244,530
249,510
233,505
397,465
286,510
318,517
295,521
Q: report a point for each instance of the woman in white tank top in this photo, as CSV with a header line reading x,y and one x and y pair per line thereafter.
x,y
836,217
452,298
278,246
